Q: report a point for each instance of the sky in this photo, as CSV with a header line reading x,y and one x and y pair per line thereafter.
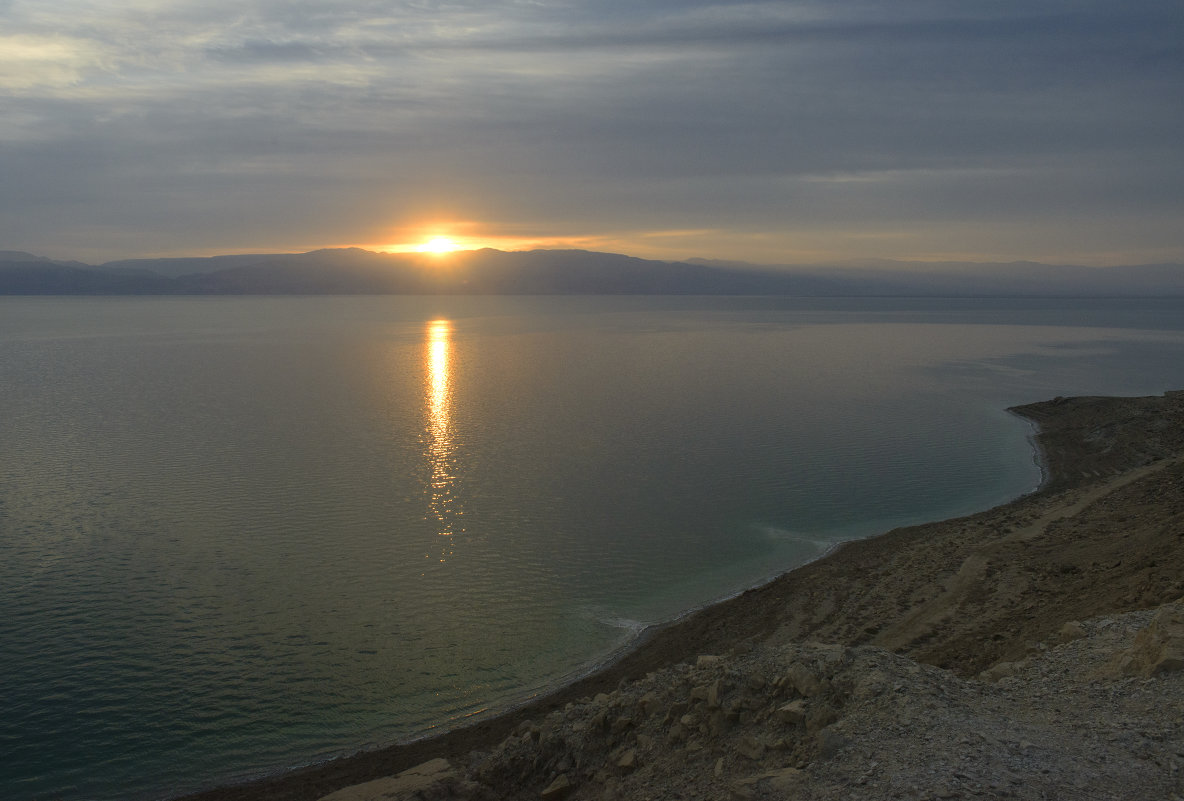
x,y
772,132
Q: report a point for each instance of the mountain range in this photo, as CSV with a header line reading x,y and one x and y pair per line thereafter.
x,y
566,272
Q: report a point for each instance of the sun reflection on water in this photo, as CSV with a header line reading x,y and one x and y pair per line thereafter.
x,y
443,505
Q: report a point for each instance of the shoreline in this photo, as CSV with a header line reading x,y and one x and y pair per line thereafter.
x,y
1039,457
805,602
561,693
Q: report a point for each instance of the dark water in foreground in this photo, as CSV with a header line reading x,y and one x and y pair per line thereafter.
x,y
241,534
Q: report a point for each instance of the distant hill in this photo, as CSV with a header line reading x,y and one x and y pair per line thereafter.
x,y
23,274
21,256
172,268
886,277
567,272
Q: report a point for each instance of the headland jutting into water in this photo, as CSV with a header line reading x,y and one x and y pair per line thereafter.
x,y
1029,651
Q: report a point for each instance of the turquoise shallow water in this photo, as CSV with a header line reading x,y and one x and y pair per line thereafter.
x,y
240,534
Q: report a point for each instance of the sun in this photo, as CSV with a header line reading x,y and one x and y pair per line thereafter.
x,y
438,245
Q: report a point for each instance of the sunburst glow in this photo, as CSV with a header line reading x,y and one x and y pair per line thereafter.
x,y
438,244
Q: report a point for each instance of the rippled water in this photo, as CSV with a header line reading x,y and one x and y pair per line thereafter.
x,y
238,535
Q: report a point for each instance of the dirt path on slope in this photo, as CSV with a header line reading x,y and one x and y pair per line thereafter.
x,y
1105,535
923,621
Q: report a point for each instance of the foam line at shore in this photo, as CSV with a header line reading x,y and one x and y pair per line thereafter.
x,y
1039,457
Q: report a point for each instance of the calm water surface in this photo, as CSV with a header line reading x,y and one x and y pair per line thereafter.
x,y
241,534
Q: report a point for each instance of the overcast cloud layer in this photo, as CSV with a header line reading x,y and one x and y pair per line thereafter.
x,y
769,131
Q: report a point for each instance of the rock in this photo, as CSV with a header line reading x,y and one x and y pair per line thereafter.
x,y
1000,670
707,660
820,716
741,790
752,702
783,780
411,782
714,691
676,711
648,703
871,685
802,681
560,788
1159,648
831,655
627,760
830,743
792,713
750,747
1156,648
1071,631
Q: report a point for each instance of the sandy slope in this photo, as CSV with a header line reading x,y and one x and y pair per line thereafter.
x,y
933,661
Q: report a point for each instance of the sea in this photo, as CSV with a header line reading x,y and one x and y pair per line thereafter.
x,y
240,535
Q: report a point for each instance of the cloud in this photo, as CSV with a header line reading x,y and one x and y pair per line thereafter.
x,y
30,61
225,124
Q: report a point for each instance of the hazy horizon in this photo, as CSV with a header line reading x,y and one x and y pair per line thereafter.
x,y
868,262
